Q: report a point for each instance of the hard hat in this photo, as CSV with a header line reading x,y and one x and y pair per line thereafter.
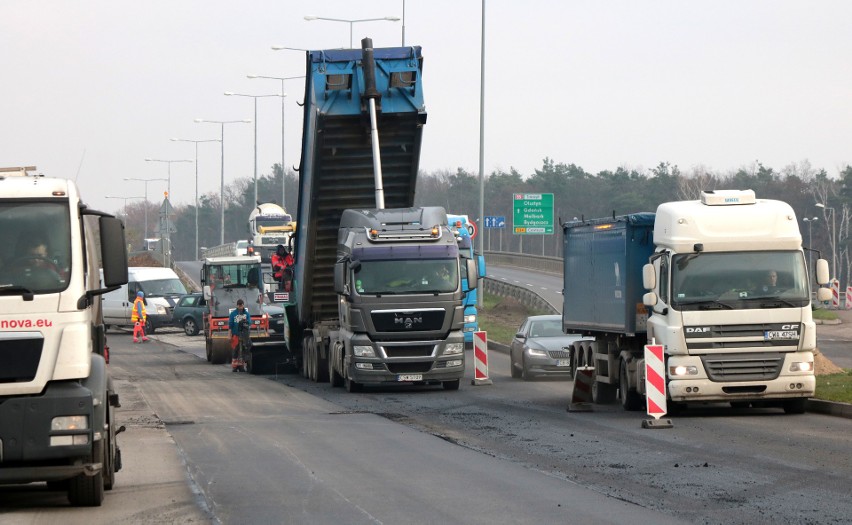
x,y
140,293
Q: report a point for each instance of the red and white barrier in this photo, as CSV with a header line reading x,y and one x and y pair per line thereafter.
x,y
848,300
480,357
655,387
581,395
835,294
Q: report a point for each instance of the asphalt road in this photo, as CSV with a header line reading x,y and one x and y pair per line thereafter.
x,y
275,450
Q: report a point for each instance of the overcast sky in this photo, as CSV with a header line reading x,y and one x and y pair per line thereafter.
x,y
97,86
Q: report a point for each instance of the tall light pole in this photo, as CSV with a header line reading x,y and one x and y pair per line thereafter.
x,y
169,163
197,254
351,23
403,24
125,199
479,296
222,181
810,241
146,181
833,240
283,99
255,97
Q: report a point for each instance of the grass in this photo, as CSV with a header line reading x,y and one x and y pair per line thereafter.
x,y
835,387
824,315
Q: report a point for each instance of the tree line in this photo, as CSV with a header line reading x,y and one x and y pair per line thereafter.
x,y
577,194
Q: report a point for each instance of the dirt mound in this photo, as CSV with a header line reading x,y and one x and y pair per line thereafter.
x,y
509,306
824,366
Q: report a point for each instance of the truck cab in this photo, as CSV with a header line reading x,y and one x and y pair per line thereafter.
x,y
460,226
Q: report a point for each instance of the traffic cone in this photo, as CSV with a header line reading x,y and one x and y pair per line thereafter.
x,y
581,395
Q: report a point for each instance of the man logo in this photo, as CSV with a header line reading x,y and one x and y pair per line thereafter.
x,y
407,322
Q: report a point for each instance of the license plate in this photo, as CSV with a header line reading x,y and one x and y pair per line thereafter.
x,y
409,377
563,362
781,334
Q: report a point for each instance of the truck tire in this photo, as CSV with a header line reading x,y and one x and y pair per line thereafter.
x,y
604,393
88,491
451,385
630,399
109,449
321,363
795,406
334,378
221,352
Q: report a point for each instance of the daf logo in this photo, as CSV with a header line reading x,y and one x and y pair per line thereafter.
x,y
789,327
408,322
697,330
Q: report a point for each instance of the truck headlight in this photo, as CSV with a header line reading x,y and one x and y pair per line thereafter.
x,y
453,348
70,423
363,351
677,371
470,318
802,366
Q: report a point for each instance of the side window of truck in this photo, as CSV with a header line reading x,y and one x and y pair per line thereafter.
x,y
664,279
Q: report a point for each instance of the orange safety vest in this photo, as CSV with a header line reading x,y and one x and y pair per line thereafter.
x,y
138,306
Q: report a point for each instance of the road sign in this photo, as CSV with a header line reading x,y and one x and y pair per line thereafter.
x,y
532,213
471,228
495,222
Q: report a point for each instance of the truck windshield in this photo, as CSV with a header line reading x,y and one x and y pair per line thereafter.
x,y
407,276
273,220
35,250
739,280
162,287
235,275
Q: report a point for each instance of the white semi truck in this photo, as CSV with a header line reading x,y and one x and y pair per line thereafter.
x,y
57,402
728,297
269,225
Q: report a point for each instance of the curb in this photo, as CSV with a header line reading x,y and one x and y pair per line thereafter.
x,y
818,406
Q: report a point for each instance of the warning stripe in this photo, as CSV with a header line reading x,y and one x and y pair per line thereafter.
x,y
480,354
655,383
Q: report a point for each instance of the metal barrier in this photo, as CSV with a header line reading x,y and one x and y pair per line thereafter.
x,y
524,260
525,296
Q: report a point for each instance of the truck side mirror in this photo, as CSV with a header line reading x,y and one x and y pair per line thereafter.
x,y
649,278
824,295
339,277
822,271
207,294
649,299
481,263
114,261
472,274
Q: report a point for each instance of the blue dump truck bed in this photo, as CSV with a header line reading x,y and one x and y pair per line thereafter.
x,y
336,170
603,273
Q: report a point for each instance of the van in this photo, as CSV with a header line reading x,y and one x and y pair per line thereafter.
x,y
162,288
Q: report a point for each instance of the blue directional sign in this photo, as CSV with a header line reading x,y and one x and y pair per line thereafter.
x,y
495,222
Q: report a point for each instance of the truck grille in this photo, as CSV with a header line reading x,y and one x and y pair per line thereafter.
x,y
409,351
408,321
20,358
745,336
743,367
409,368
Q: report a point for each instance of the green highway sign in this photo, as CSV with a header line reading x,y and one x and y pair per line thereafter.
x,y
532,213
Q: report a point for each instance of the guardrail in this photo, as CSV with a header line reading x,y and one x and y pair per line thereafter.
x,y
525,296
524,260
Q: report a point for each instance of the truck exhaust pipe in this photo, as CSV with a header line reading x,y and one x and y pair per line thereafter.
x,y
371,94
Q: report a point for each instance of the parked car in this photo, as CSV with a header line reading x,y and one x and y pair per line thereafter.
x,y
189,313
537,348
276,317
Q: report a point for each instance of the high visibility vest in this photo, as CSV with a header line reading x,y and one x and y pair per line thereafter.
x,y
138,306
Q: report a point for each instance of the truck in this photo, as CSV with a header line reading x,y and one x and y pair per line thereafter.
x,y
269,225
461,226
349,322
57,400
224,280
696,278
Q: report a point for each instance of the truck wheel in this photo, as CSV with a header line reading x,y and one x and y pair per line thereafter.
x,y
334,378
795,406
109,450
321,364
603,393
452,385
630,399
190,327
221,352
88,491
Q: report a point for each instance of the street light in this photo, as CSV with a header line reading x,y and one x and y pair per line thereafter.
x,y
197,254
283,98
255,97
810,241
169,162
351,23
222,182
146,181
833,240
125,199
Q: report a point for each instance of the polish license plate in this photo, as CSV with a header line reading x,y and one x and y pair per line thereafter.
x,y
563,362
780,334
409,377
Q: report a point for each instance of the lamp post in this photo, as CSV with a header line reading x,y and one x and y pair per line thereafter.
x,y
125,199
810,241
222,180
479,297
146,181
169,163
197,254
351,23
255,97
833,240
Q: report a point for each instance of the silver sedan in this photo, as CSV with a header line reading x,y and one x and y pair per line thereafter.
x,y
537,350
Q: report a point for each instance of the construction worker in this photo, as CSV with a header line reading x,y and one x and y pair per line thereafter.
x,y
238,315
139,317
282,260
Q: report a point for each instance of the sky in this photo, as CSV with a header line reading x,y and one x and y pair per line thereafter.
x,y
90,89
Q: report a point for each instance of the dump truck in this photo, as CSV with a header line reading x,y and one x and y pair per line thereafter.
x,y
363,122
269,225
721,283
57,400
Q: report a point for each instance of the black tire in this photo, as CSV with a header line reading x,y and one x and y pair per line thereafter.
x,y
109,450
149,327
190,327
308,349
604,393
221,352
512,368
322,364
209,347
795,406
525,373
334,378
631,400
451,385
88,491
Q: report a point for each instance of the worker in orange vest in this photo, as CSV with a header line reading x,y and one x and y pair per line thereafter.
x,y
139,317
